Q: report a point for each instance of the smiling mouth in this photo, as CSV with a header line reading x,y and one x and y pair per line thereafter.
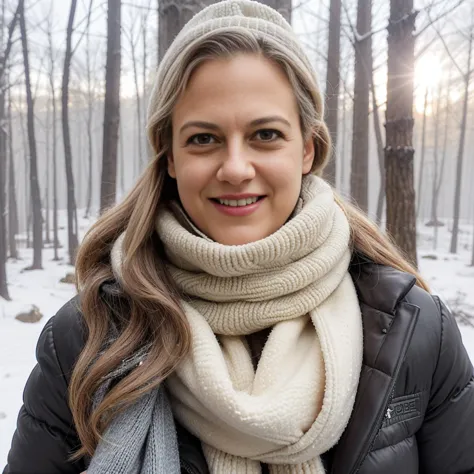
x,y
238,202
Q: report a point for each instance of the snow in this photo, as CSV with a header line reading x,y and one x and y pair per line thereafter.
x,y
450,276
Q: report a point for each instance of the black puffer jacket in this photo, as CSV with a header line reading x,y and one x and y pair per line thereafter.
x,y
414,411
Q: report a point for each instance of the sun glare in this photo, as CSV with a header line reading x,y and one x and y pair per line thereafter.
x,y
428,73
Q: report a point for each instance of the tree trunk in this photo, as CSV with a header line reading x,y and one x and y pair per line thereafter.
x,y
54,138
12,203
360,126
401,222
55,182
333,79
3,156
445,136
90,158
462,139
25,174
139,137
146,147
3,172
71,200
423,148
55,164
379,141
34,185
48,167
472,258
111,107
434,185
90,104
173,15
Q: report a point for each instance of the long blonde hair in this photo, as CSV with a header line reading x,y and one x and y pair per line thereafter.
x,y
147,311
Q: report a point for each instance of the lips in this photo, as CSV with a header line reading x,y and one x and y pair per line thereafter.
x,y
238,202
237,206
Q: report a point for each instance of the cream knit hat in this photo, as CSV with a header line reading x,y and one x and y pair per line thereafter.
x,y
235,16
231,15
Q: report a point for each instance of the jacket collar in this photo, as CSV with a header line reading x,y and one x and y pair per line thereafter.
x,y
379,286
388,323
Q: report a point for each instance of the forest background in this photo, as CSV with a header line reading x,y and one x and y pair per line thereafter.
x,y
75,77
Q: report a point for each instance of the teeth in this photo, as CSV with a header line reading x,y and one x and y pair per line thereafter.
x,y
238,203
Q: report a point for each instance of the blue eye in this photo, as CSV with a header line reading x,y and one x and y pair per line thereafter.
x,y
201,139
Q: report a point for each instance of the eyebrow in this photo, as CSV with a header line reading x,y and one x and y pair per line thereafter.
x,y
253,123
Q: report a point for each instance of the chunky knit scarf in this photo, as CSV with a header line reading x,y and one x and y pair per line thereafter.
x,y
297,403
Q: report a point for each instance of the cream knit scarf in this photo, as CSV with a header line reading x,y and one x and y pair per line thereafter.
x,y
297,403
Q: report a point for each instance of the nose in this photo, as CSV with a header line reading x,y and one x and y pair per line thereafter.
x,y
236,166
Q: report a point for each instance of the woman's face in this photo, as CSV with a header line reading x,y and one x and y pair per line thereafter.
x,y
238,153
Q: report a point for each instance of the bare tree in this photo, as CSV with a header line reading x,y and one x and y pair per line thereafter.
x,y
423,149
437,168
3,168
133,38
333,80
12,203
380,151
47,239
51,75
90,111
144,29
34,185
111,106
360,124
400,194
467,76
4,56
71,199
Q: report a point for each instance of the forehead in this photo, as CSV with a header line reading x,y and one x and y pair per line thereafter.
x,y
248,84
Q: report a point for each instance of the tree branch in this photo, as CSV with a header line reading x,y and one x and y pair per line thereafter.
x,y
439,17
11,29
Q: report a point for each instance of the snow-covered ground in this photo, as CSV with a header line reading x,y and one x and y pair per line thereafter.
x,y
449,276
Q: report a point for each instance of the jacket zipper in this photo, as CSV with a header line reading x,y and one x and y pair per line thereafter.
x,y
389,398
379,425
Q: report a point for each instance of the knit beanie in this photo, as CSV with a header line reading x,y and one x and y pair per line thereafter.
x,y
226,16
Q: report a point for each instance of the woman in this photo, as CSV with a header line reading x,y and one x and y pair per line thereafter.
x,y
234,315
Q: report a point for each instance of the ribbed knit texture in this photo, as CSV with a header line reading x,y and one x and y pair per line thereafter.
x,y
229,15
140,440
298,401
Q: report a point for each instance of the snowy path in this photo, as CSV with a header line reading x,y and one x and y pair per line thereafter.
x,y
450,277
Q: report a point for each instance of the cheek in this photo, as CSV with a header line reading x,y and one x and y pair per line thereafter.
x,y
192,176
285,175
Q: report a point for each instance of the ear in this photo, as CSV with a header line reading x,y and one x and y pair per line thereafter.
x,y
171,168
308,155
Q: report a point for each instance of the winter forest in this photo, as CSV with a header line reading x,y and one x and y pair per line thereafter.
x,y
75,76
